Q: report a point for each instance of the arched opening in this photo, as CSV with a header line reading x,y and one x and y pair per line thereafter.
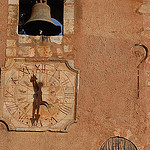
x,y
118,143
25,10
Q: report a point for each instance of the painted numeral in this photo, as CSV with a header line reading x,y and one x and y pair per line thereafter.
x,y
52,118
37,68
14,81
25,70
40,68
43,69
21,91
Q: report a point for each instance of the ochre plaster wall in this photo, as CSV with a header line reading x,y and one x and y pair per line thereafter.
x,y
3,28
105,34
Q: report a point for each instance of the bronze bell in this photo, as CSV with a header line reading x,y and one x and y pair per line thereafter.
x,y
40,22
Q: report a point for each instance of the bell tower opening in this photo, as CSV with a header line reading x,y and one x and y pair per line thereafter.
x,y
41,17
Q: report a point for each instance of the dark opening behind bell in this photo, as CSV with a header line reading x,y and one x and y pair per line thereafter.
x,y
40,22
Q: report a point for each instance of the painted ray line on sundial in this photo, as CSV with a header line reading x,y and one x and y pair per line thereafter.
x,y
26,87
65,109
11,107
22,116
65,82
26,106
53,75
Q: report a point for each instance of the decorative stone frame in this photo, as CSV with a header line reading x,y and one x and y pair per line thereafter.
x,y
55,47
52,48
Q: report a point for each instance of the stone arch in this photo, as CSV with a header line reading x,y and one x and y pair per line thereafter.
x,y
118,143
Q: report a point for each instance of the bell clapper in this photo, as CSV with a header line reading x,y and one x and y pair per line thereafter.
x,y
45,1
41,1
40,31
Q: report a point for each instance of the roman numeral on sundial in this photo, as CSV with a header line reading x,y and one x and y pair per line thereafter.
x,y
25,70
8,93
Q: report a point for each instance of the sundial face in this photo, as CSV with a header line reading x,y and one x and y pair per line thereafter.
x,y
39,95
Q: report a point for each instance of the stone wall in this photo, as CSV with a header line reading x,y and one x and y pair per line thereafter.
x,y
101,43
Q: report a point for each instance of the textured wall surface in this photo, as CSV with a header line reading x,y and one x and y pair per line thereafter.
x,y
3,29
105,35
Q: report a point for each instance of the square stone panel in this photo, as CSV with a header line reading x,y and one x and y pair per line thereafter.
x,y
56,39
69,26
25,39
27,51
44,51
11,43
68,48
11,52
13,1
12,31
12,14
69,11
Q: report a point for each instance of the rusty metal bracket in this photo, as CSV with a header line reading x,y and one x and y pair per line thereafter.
x,y
143,54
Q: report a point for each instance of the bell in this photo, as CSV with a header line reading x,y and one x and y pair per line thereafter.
x,y
40,22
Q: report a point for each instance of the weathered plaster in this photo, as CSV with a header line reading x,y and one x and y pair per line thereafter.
x,y
104,34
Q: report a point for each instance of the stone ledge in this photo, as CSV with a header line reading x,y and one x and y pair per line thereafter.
x,y
13,1
145,8
56,39
69,11
69,1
